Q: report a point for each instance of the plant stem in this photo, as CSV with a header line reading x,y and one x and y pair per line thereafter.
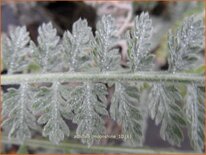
x,y
110,76
97,149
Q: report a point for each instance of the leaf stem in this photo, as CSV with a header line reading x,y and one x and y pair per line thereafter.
x,y
109,76
106,149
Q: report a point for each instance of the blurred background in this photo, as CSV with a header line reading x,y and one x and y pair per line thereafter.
x,y
165,16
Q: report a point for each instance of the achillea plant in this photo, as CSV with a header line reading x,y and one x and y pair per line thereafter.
x,y
175,98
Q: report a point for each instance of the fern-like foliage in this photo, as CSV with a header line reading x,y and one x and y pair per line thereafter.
x,y
127,111
139,43
85,103
15,49
77,44
194,109
47,53
106,57
89,105
125,107
17,112
52,107
185,44
164,106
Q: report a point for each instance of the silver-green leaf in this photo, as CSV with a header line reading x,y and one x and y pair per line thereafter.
x,y
17,114
51,105
194,109
185,44
106,56
127,110
78,45
15,49
139,43
47,53
164,107
88,102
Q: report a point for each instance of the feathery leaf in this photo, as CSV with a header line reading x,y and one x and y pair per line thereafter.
x,y
15,49
51,105
139,43
76,45
47,53
164,106
185,45
17,113
127,111
194,109
106,56
88,102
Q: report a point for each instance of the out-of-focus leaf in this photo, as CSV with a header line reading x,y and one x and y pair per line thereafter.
x,y
22,150
200,70
185,44
195,110
34,68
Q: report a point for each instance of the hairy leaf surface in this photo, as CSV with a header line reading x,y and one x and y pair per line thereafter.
x,y
106,56
52,107
164,107
78,45
185,44
89,104
15,49
194,108
127,111
47,53
85,103
17,112
139,43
